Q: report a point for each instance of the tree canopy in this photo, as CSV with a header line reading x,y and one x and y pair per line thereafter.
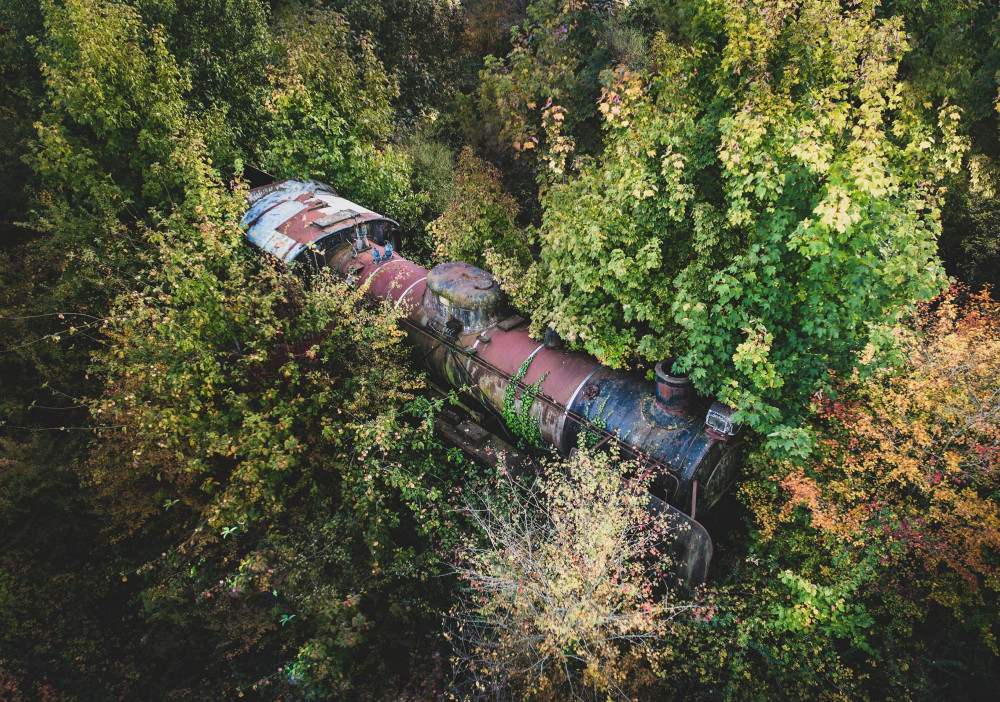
x,y
219,478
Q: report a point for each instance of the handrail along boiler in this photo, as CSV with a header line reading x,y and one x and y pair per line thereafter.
x,y
458,320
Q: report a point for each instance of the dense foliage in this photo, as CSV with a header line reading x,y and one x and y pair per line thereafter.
x,y
478,224
266,434
906,476
762,212
219,478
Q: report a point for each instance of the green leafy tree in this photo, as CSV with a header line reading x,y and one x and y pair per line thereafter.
x,y
20,89
478,225
107,98
110,145
224,49
321,562
955,56
489,24
770,634
541,99
433,171
114,107
268,467
900,497
331,115
416,42
762,212
111,142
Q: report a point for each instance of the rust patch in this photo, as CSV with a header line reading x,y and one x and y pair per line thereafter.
x,y
674,393
463,296
389,280
562,372
508,350
299,228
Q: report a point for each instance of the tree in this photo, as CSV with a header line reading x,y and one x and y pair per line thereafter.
x,y
478,223
332,117
216,390
20,88
265,468
763,212
416,42
224,50
955,56
115,104
540,100
900,494
489,24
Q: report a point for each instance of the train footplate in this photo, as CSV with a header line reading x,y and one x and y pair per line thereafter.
x,y
477,443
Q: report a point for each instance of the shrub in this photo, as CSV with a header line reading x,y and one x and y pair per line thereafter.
x,y
477,225
563,594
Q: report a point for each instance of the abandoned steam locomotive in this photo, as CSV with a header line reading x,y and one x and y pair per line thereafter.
x,y
463,332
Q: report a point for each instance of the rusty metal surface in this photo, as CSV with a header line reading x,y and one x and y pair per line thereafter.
x,y
337,217
691,548
561,373
301,228
409,300
469,295
506,351
482,446
388,280
674,394
287,218
392,279
615,401
511,322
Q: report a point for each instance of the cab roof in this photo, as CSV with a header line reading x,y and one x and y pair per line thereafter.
x,y
287,217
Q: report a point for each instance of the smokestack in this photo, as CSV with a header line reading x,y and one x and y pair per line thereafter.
x,y
674,393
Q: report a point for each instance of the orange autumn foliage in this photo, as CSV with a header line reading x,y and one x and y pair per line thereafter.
x,y
909,462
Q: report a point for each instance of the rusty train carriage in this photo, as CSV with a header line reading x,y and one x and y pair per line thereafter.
x,y
462,329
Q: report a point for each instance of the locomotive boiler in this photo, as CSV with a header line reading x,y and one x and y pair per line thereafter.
x,y
464,333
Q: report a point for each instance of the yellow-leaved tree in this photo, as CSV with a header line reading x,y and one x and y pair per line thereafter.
x,y
905,483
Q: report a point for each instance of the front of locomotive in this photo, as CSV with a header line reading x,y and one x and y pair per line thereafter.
x,y
692,440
